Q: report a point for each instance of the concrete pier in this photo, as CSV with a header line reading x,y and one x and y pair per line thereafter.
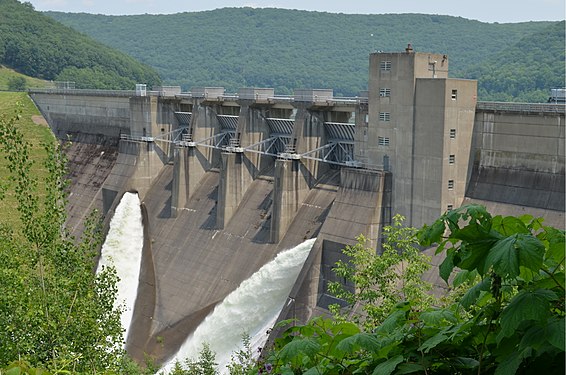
x,y
236,176
291,186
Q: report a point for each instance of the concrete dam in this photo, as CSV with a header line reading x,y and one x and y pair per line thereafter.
x,y
228,181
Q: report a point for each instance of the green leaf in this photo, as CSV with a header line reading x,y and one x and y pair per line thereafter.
x,y
504,258
394,320
447,265
549,283
556,251
438,317
531,251
14,371
287,371
299,347
359,341
313,371
512,363
509,225
429,235
346,328
527,305
555,329
409,368
474,256
387,367
465,362
512,252
464,276
473,293
432,342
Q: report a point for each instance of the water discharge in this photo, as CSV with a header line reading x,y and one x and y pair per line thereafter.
x,y
123,250
252,309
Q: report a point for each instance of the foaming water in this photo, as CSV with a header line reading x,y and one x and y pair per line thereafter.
x,y
123,250
252,309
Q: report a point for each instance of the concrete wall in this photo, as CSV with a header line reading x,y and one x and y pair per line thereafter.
x,y
439,160
518,158
67,113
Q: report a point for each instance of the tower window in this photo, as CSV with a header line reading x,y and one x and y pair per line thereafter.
x,y
386,92
383,141
450,184
385,66
452,133
450,207
384,116
454,94
451,159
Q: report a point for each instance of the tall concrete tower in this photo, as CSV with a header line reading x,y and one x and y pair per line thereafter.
x,y
419,128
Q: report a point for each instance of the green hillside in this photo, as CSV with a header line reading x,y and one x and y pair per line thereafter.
x,y
38,46
10,80
288,49
526,70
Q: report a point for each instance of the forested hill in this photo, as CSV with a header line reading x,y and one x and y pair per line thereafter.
x,y
38,46
526,69
288,49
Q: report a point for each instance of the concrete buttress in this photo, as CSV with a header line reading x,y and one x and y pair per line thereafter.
x,y
289,191
236,175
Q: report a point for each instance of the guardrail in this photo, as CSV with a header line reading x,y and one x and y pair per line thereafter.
x,y
188,95
122,93
522,107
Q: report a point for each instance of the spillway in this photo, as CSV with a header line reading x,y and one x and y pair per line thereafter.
x,y
123,250
251,309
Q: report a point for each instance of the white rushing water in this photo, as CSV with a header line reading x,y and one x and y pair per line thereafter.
x,y
123,250
252,309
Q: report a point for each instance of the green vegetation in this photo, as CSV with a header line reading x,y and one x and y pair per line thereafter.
x,y
525,70
35,135
10,80
36,45
55,312
507,317
290,49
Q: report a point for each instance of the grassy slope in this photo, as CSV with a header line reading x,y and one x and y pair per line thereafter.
x,y
35,134
6,74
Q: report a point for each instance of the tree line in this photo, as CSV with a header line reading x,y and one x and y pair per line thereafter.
x,y
290,49
37,46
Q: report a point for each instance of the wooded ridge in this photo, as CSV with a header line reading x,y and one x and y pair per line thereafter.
x,y
289,49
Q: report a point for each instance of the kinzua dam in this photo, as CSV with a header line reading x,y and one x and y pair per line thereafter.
x,y
229,181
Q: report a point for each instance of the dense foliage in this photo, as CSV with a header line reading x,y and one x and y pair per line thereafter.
x,y
525,70
509,319
290,49
54,311
38,46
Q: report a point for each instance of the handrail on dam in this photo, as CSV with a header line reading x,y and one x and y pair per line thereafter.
x,y
188,95
121,93
522,107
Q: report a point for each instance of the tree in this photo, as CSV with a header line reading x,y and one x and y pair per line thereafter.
x,y
17,83
55,311
510,320
380,281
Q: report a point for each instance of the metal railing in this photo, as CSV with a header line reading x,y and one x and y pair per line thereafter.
x,y
522,107
92,92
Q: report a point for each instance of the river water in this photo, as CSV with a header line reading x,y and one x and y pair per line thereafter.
x,y
123,250
251,309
